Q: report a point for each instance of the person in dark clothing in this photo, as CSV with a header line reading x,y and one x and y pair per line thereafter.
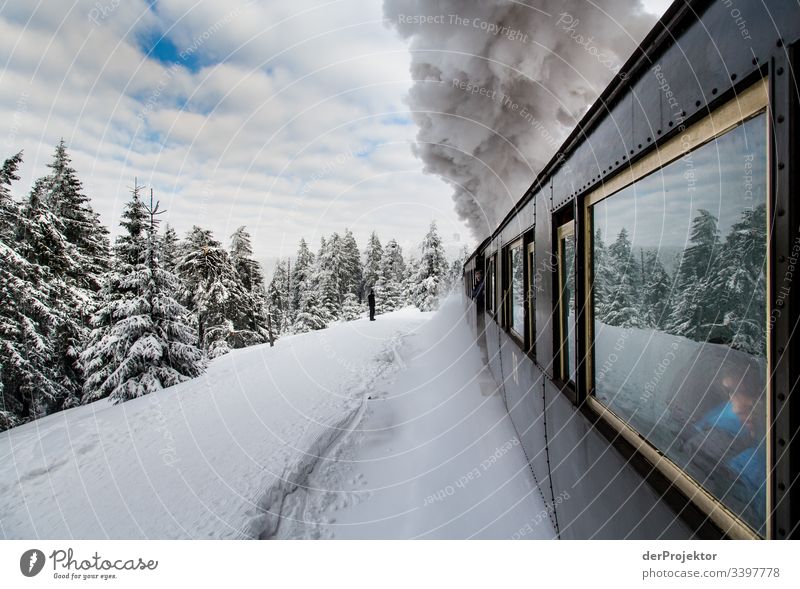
x,y
477,292
371,303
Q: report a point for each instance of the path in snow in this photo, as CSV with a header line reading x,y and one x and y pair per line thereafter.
x,y
209,458
434,456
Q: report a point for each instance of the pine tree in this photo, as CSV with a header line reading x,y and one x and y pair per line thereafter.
x,y
389,294
330,277
431,272
741,280
373,254
42,241
82,228
255,326
655,292
303,266
694,310
169,248
352,309
63,235
622,307
312,310
456,269
142,341
409,284
278,297
9,210
601,271
351,272
213,291
29,384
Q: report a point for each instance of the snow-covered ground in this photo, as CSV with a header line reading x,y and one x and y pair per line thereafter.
x,y
369,430
435,456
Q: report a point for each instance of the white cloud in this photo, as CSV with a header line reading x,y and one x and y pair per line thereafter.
x,y
276,95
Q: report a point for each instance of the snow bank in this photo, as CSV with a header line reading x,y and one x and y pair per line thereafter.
x,y
210,458
436,455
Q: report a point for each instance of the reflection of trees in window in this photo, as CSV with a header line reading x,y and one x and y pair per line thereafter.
x,y
568,306
717,293
517,291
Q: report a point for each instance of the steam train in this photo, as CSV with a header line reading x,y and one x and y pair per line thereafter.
x,y
637,305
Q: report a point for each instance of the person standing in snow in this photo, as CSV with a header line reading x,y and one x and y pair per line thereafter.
x,y
371,303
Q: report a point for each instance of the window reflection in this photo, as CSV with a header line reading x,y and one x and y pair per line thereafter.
x,y
567,303
517,293
679,303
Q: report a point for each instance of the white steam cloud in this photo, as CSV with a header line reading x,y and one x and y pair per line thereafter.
x,y
499,84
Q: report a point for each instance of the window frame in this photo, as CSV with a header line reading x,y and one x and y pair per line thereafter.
x,y
489,285
509,322
746,105
566,229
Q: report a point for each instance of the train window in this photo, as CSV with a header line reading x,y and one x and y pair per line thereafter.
x,y
566,301
516,290
680,316
531,300
490,285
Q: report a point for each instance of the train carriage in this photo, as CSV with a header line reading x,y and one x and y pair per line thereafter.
x,y
638,302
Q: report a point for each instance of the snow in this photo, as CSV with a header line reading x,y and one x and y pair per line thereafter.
x,y
359,430
436,455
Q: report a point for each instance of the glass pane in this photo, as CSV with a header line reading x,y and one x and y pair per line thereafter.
x,y
490,286
532,298
517,292
681,316
567,262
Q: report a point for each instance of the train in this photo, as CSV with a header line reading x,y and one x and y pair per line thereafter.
x,y
637,304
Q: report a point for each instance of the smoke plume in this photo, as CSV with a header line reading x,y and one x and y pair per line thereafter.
x,y
498,85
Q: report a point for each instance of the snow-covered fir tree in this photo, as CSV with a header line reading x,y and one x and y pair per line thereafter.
x,y
623,283
389,289
693,309
656,289
351,308
60,232
300,274
29,382
9,209
256,324
350,268
600,274
42,241
456,269
213,291
429,283
169,248
278,297
142,341
329,277
409,281
313,311
741,280
82,227
373,254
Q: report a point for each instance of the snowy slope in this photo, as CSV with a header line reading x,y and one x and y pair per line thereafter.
x,y
436,455
210,458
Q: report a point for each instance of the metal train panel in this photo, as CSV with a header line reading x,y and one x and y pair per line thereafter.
x,y
544,257
602,496
522,385
682,79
